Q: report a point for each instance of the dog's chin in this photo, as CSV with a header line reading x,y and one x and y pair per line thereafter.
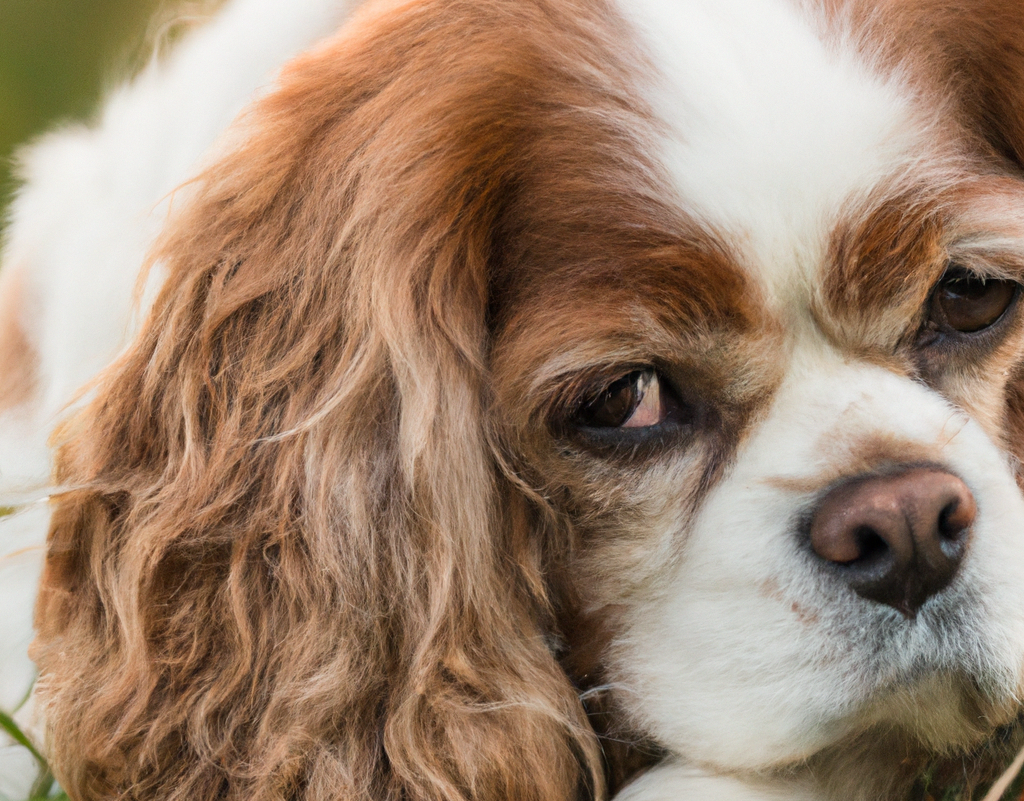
x,y
956,727
943,680
931,685
940,713
900,724
939,701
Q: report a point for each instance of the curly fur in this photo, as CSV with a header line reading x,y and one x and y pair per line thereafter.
x,y
292,566
318,536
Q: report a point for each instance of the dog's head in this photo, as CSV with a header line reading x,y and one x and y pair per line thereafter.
x,y
528,359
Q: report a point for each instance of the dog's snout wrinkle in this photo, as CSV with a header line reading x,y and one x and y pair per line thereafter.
x,y
895,539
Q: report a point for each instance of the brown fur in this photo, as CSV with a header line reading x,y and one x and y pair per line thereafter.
x,y
319,543
879,272
967,62
287,571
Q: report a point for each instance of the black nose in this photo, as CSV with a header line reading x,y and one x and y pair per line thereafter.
x,y
895,539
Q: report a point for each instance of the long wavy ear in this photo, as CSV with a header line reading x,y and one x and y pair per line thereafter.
x,y
281,572
982,46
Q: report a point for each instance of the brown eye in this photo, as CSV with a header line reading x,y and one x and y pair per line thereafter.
x,y
634,401
966,302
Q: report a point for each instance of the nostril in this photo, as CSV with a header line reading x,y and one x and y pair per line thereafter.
x,y
870,544
896,539
955,519
878,559
948,529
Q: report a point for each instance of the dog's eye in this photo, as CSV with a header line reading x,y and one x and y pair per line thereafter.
x,y
637,400
966,302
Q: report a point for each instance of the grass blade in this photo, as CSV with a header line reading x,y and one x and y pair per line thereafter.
x,y
8,725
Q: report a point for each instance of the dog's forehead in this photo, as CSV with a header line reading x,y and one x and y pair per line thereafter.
x,y
775,127
784,151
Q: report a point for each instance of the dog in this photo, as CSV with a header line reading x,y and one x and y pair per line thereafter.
x,y
532,399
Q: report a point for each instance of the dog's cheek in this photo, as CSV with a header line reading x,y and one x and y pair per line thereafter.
x,y
989,389
629,521
712,648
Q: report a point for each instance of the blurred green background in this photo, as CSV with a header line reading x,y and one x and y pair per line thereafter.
x,y
56,59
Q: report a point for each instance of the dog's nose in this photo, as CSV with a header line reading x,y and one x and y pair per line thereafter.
x,y
895,539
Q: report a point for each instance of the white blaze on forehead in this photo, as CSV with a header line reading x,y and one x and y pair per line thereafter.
x,y
769,128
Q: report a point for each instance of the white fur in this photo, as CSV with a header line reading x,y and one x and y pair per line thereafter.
x,y
675,781
20,567
768,129
741,655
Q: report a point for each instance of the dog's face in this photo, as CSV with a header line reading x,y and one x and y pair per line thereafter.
x,y
665,351
780,430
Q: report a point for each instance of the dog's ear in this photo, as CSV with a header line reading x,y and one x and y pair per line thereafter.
x,y
982,47
279,570
970,52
